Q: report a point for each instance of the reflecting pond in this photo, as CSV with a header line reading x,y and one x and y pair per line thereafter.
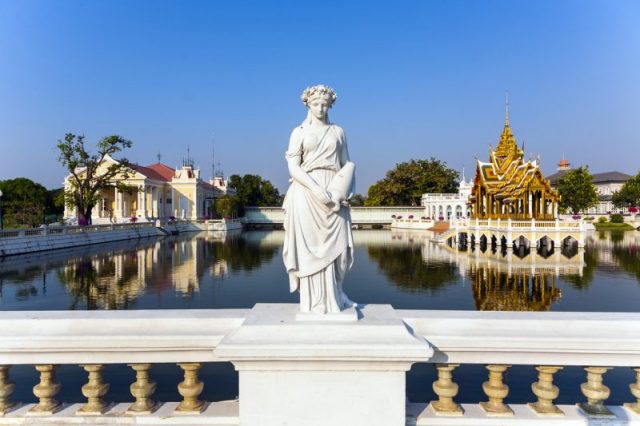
x,y
404,269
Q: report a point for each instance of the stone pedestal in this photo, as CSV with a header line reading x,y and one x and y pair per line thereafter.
x,y
307,373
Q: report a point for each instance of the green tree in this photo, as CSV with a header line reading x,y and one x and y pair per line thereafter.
x,y
88,178
405,184
55,204
23,202
629,194
252,190
577,191
227,206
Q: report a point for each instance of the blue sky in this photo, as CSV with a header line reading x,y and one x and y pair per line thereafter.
x,y
414,79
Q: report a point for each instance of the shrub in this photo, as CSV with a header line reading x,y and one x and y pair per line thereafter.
x,y
410,216
617,218
602,219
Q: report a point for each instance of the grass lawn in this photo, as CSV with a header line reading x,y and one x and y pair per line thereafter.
x,y
608,225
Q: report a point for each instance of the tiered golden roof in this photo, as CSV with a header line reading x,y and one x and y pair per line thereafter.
x,y
509,187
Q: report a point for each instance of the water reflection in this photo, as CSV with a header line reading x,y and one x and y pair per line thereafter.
x,y
409,266
217,270
514,280
96,277
523,291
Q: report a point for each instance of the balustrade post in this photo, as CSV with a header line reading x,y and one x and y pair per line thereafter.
x,y
6,389
446,389
94,390
596,393
633,387
190,388
546,392
45,391
497,391
142,389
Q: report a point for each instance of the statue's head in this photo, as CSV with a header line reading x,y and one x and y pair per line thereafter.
x,y
318,91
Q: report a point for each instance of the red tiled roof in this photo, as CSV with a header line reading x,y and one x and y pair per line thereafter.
x,y
156,171
163,170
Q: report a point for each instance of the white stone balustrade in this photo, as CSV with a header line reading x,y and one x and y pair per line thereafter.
x,y
20,241
370,356
359,215
556,231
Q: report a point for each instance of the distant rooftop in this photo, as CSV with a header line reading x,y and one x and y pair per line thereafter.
x,y
157,171
605,177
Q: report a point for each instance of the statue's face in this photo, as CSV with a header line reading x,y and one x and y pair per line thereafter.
x,y
319,107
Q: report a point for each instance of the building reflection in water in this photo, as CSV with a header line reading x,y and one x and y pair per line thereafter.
x,y
118,275
510,280
116,279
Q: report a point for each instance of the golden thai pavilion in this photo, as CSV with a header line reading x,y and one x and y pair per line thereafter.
x,y
507,187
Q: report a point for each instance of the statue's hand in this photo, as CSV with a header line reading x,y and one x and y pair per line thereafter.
x,y
336,204
322,195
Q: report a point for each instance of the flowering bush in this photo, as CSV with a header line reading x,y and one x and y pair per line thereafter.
x,y
410,216
575,217
424,218
133,219
440,218
393,216
399,217
633,210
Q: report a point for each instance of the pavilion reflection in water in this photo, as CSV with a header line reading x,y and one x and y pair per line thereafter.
x,y
508,280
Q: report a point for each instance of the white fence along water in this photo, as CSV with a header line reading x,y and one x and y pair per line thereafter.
x,y
262,345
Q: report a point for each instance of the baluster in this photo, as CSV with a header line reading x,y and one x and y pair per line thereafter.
x,y
45,391
446,389
142,389
6,389
596,393
546,392
635,391
496,390
94,390
190,388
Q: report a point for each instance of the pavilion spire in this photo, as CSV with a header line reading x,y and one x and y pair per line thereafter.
x,y
506,109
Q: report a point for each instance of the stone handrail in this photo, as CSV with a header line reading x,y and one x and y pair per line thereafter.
x,y
578,338
63,230
189,338
67,337
380,215
564,338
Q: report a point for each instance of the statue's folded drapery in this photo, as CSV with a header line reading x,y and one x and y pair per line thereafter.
x,y
318,244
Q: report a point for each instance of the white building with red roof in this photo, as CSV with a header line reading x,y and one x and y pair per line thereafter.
x,y
156,191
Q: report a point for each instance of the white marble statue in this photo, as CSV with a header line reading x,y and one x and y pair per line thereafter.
x,y
318,244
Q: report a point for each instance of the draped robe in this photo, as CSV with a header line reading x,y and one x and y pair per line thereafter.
x,y
318,244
